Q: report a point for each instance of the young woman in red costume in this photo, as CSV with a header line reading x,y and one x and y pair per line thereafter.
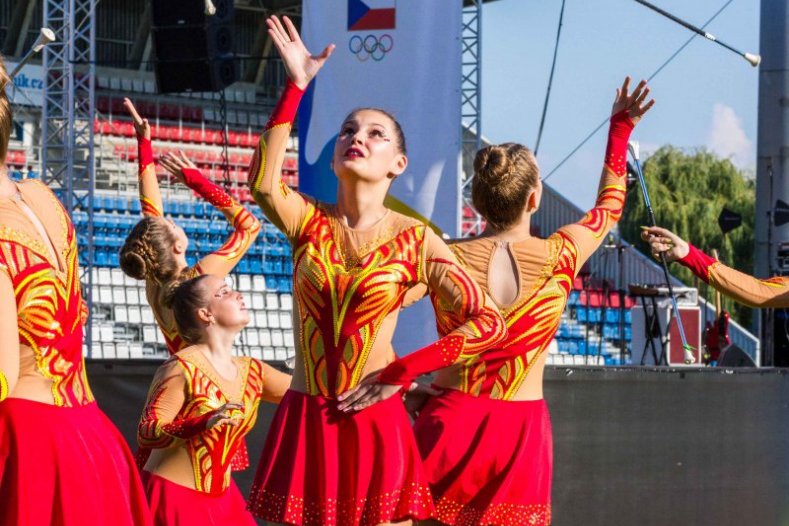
x,y
758,293
202,402
486,441
353,264
155,250
62,462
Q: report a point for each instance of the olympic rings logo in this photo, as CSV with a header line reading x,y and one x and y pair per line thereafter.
x,y
370,46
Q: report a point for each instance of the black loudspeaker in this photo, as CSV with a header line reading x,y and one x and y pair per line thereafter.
x,y
780,338
194,52
733,356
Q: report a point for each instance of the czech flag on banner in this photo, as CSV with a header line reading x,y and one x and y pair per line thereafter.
x,y
366,15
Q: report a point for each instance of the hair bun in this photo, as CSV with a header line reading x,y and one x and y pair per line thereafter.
x,y
493,165
132,263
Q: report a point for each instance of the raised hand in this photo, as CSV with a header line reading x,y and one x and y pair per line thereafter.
x,y
666,241
301,65
227,415
141,125
632,102
174,163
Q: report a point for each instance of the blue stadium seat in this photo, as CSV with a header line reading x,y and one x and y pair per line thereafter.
x,y
255,266
100,258
574,298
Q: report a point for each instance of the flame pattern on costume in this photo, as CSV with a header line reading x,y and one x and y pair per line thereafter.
x,y
212,451
50,308
344,307
533,320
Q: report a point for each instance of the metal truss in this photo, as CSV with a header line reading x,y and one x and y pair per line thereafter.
x,y
67,120
470,110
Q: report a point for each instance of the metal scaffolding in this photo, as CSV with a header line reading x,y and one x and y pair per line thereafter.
x,y
470,110
67,120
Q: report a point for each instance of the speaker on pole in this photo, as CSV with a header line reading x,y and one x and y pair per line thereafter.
x,y
733,356
194,51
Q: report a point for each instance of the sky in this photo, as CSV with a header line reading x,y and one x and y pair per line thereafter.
x,y
706,97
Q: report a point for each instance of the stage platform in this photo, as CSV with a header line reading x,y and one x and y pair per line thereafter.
x,y
632,446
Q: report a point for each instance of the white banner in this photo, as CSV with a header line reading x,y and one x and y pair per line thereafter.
x,y
28,86
403,56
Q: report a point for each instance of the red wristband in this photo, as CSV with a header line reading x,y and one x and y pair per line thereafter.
x,y
435,356
144,152
618,136
698,262
285,110
189,427
209,191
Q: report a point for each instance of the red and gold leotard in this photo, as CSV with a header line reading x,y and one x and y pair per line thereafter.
x,y
546,270
185,393
54,440
486,442
350,284
759,293
245,229
50,308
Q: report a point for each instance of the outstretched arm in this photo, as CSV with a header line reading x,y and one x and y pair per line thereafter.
x,y
245,226
283,207
150,196
744,288
9,336
587,234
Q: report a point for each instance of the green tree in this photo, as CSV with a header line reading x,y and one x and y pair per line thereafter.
x,y
688,192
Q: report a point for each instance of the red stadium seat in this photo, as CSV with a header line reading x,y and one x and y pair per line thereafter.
x,y
290,163
168,111
173,133
250,140
232,138
117,107
103,104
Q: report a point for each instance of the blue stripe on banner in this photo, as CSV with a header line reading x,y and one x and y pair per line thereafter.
x,y
356,11
317,179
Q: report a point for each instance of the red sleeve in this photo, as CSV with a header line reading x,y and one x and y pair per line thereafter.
x,y
477,323
698,262
287,105
209,191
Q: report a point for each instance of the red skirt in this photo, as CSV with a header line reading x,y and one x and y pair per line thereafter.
x,y
490,462
176,505
66,466
323,468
